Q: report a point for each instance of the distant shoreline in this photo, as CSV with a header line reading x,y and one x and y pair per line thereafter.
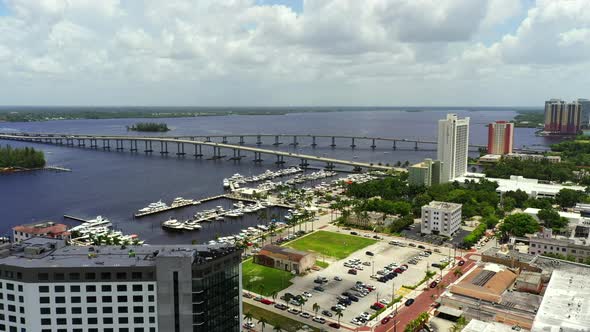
x,y
42,114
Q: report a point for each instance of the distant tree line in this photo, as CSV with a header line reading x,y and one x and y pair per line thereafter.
x,y
149,126
25,157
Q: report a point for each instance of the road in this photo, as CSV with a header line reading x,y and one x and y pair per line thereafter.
x,y
423,302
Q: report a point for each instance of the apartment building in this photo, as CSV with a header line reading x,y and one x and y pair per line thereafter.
x,y
452,146
46,286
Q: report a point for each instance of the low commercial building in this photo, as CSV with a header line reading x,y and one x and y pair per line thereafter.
x,y
532,187
40,229
572,217
475,325
533,157
490,158
530,282
284,258
566,304
47,286
544,242
441,218
486,293
425,173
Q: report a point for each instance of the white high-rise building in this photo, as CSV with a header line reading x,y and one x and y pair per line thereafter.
x,y
441,218
453,146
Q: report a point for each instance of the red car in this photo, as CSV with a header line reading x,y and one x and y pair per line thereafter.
x,y
379,304
334,325
385,320
352,271
433,284
266,301
398,270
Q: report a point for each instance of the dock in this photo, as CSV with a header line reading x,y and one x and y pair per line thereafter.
x,y
74,218
143,214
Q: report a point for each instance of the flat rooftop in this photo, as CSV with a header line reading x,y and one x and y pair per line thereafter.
x,y
566,304
49,253
479,326
518,182
443,206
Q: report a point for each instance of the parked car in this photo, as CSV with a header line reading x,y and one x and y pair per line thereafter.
x,y
327,313
307,294
354,233
337,278
433,284
320,320
249,325
266,301
385,320
304,315
411,244
409,302
319,288
293,311
352,271
369,253
334,325
353,298
461,263
281,306
421,247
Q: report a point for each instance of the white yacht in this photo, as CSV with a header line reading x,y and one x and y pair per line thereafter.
x,y
99,221
225,183
156,206
172,224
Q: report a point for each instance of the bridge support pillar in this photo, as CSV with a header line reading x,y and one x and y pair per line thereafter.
x,y
69,141
333,142
329,165
119,143
313,143
395,145
198,151
133,145
163,147
277,142
224,140
373,146
258,140
106,144
192,138
257,157
242,140
353,145
81,142
180,149
148,147
93,144
280,160
59,141
207,139
295,143
416,146
357,169
237,155
304,163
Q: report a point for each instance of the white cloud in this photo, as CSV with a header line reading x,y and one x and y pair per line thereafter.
x,y
367,52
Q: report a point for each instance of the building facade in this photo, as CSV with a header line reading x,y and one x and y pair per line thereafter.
x,y
585,105
452,146
49,287
425,173
286,259
500,137
578,247
40,229
533,157
562,118
441,218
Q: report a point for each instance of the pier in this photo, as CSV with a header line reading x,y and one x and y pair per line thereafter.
x,y
216,147
66,216
143,214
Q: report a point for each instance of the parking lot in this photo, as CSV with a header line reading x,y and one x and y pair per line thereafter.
x,y
384,254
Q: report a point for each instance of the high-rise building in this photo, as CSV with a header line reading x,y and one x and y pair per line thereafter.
x,y
441,218
562,118
585,105
500,137
46,286
425,173
453,146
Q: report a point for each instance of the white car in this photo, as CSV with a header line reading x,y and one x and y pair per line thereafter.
x,y
365,315
249,325
307,294
384,301
356,322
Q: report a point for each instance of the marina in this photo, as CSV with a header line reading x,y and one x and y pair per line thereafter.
x,y
160,206
98,231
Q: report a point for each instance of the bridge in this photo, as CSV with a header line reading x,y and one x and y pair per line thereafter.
x,y
132,141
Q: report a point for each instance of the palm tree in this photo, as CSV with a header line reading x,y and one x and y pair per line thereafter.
x,y
262,321
274,296
339,315
316,308
277,328
272,229
248,316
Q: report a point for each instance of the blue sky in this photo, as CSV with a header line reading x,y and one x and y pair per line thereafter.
x,y
3,9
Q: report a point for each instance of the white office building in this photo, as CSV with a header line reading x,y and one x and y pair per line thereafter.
x,y
441,218
453,145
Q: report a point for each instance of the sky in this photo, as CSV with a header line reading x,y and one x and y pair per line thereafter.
x,y
294,52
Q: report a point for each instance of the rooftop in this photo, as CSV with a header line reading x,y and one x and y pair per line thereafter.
x,y
43,227
479,326
486,282
290,253
566,304
45,252
444,206
518,182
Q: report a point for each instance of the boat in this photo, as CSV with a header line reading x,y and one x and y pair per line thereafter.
x,y
173,224
225,183
179,201
219,218
99,221
152,207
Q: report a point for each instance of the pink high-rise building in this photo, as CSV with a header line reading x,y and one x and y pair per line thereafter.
x,y
500,137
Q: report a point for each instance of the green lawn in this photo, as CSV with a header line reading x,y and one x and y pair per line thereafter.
x,y
321,264
331,244
264,280
285,323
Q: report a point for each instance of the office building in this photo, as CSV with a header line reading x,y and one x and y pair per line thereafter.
x,y
425,173
441,218
47,286
585,105
286,259
453,145
500,137
533,157
562,118
566,304
40,229
575,245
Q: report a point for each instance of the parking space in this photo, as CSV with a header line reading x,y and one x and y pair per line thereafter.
x,y
383,254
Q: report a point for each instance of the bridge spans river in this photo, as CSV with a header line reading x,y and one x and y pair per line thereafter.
x,y
73,140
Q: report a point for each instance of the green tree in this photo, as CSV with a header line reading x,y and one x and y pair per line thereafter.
x,y
248,316
551,219
569,198
277,328
316,307
518,224
262,321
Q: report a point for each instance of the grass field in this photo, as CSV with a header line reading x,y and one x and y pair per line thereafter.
x,y
321,264
285,323
331,244
264,280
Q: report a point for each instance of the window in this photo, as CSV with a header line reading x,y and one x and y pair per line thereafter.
x,y
11,308
91,299
107,299
150,287
122,310
91,310
121,288
137,288
44,299
92,320
91,288
45,321
77,321
137,298
123,320
10,297
76,310
20,287
137,309
107,320
106,288
138,320
121,298
62,321
10,286
76,299
90,276
107,310
105,276
60,311
121,275
136,275
45,311
59,276
150,298
152,319
75,289
60,289
60,299
43,276
74,276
